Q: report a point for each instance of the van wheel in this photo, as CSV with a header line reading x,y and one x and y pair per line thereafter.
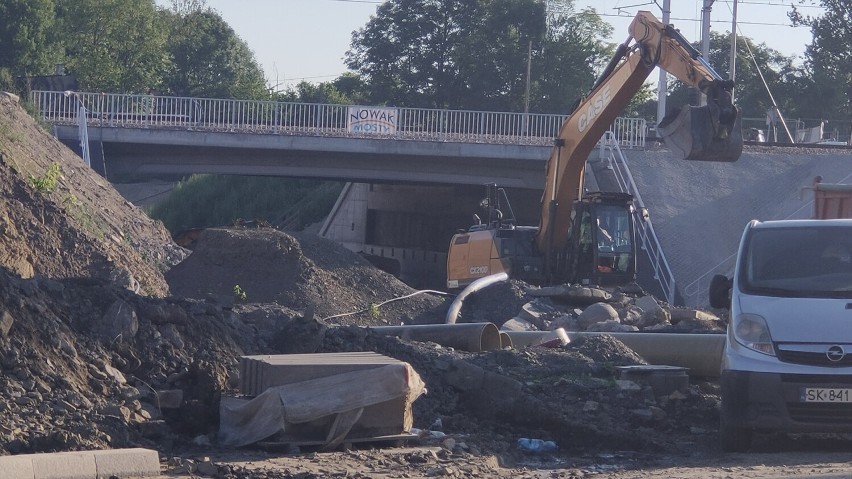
x,y
734,439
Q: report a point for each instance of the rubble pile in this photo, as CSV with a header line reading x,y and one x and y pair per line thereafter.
x,y
110,338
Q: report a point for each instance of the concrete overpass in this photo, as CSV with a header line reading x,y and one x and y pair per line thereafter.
x,y
130,152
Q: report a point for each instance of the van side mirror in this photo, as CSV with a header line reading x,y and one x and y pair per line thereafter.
x,y
720,291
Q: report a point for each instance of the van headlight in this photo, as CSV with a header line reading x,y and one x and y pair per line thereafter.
x,y
751,331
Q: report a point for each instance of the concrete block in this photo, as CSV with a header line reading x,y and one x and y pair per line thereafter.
x,y
17,467
64,465
135,462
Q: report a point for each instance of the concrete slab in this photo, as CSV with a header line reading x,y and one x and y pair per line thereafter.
x,y
17,467
82,464
64,465
135,462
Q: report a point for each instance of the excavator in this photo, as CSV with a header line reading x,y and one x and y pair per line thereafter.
x,y
589,238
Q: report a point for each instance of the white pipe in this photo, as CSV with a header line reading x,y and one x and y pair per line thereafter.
x,y
480,283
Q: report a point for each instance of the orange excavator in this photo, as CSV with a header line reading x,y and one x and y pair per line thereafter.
x,y
589,238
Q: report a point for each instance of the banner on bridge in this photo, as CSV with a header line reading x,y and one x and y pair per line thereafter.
x,y
372,120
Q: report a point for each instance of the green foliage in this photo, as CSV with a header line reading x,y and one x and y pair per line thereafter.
x,y
209,200
113,45
7,80
83,216
374,311
239,293
27,43
750,93
46,183
347,89
209,59
473,54
828,60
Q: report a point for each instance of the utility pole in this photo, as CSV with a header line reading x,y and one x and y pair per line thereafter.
x,y
662,88
733,62
705,39
527,92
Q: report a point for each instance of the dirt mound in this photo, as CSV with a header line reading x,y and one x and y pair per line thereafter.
x,y
59,219
301,272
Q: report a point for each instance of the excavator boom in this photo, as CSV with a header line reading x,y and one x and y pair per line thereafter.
x,y
590,238
708,133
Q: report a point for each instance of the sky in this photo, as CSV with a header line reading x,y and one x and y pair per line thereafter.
x,y
295,40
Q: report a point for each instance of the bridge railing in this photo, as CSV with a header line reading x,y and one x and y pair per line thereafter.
x,y
151,111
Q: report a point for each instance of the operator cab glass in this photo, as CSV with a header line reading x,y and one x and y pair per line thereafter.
x,y
614,238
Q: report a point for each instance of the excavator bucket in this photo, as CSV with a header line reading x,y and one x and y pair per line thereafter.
x,y
703,133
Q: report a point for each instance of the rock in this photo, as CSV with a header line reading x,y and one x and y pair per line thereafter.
x,y
119,323
171,335
611,326
591,406
680,314
653,313
631,315
518,324
207,468
577,294
124,278
120,412
448,444
597,313
67,347
115,374
6,321
537,312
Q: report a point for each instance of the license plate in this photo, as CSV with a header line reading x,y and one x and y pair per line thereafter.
x,y
840,395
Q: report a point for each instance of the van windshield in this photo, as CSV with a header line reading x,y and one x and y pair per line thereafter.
x,y
811,262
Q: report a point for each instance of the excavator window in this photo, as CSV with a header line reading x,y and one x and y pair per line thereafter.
x,y
614,239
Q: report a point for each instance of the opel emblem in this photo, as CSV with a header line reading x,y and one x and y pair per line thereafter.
x,y
835,353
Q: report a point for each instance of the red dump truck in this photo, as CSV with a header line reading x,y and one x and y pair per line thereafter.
x,y
832,200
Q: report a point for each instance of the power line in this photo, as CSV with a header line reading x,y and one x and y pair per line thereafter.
x,y
628,17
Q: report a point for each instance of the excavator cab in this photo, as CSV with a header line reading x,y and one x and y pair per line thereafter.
x,y
602,247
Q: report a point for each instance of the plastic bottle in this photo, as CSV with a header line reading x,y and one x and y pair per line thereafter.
x,y
536,446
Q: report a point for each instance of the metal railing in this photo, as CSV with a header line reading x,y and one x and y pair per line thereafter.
x,y
610,152
150,111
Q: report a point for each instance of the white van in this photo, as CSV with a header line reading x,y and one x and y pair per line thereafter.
x,y
787,365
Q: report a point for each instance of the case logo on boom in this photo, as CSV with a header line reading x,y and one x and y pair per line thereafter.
x,y
594,109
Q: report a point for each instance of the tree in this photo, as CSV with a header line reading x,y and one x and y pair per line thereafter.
x,y
208,58
493,59
113,45
829,59
347,89
571,54
750,93
26,44
473,54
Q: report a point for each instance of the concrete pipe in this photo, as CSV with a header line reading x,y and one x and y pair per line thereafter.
x,y
700,353
473,337
505,340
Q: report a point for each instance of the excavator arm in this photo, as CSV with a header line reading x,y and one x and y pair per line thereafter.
x,y
710,133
